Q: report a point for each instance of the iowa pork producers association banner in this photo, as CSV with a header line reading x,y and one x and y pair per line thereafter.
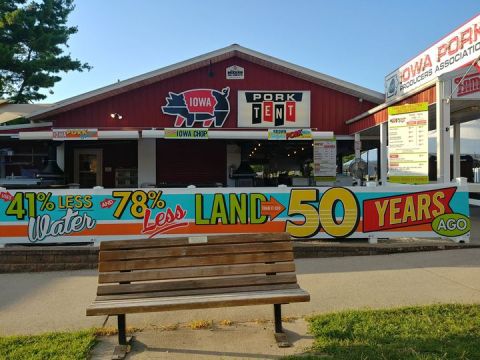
x,y
336,212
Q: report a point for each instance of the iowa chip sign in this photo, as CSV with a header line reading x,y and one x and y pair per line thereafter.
x,y
81,215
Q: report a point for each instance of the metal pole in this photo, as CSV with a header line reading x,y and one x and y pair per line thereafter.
x,y
456,150
122,333
277,310
443,131
357,145
383,153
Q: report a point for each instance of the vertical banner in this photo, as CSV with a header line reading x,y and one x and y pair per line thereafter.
x,y
325,160
408,143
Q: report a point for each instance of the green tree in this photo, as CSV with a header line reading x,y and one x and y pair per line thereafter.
x,y
33,41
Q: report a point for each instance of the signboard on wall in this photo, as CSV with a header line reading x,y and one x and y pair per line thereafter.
x,y
81,215
235,72
186,134
408,143
325,160
274,108
198,106
74,134
290,134
466,87
459,48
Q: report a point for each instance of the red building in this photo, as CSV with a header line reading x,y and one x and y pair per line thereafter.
x,y
192,123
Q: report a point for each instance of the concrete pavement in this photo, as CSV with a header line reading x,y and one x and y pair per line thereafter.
x,y
39,302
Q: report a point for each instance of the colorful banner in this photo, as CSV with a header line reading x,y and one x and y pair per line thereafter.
x,y
290,134
408,143
74,134
80,215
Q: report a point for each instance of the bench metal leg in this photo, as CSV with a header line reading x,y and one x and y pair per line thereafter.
x,y
277,311
123,346
280,336
122,330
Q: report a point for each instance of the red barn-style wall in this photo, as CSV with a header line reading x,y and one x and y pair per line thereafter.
x,y
141,107
184,162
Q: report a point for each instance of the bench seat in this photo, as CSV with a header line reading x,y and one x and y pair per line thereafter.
x,y
140,305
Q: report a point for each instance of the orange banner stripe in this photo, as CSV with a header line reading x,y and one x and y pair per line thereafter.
x,y
136,229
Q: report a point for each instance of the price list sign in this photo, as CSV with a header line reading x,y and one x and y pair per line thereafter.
x,y
325,160
408,143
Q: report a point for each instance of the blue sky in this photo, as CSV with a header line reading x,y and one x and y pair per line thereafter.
x,y
357,41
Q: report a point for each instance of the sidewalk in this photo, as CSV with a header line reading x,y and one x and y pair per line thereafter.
x,y
39,302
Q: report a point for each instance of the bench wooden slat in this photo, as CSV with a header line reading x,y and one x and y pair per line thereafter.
x,y
195,261
225,290
212,239
196,284
114,307
203,271
204,249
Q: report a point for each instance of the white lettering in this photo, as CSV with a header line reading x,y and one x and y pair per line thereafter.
x,y
41,227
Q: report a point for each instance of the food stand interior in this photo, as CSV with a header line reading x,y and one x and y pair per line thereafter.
x,y
179,163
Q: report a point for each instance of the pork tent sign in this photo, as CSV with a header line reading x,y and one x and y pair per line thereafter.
x,y
266,109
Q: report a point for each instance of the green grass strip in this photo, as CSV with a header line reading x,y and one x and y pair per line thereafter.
x,y
51,346
420,333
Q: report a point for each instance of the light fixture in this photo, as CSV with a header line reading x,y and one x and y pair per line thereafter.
x,y
210,70
116,116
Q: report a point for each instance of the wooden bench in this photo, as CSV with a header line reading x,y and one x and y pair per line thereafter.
x,y
137,276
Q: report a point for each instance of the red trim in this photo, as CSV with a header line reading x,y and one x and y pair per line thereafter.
x,y
428,95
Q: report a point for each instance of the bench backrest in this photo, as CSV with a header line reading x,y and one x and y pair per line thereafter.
x,y
190,266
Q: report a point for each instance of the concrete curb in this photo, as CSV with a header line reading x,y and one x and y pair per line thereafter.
x,y
309,250
17,259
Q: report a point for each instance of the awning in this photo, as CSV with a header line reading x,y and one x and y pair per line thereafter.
x,y
102,135
236,134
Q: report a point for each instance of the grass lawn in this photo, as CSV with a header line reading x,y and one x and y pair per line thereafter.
x,y
64,345
427,332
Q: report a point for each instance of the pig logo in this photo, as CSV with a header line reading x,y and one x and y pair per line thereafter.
x,y
206,106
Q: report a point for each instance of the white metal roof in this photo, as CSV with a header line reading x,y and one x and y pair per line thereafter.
x,y
10,112
204,60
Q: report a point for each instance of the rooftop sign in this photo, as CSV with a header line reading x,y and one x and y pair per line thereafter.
x,y
459,48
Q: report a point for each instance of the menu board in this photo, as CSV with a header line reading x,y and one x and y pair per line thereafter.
x,y
325,160
408,143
